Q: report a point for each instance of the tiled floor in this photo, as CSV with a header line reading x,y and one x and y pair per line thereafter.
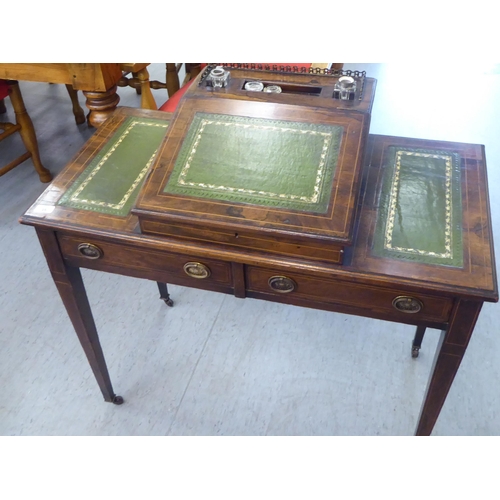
x,y
217,365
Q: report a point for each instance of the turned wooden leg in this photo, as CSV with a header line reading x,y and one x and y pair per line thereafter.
x,y
101,105
70,285
452,346
27,131
193,69
417,341
147,99
77,109
164,295
172,79
138,90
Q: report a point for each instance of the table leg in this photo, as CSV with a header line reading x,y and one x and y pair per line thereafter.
x,y
27,132
417,341
138,90
172,79
164,295
147,99
101,105
77,109
69,283
452,346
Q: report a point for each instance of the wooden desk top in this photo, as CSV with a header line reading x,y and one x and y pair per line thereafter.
x,y
476,278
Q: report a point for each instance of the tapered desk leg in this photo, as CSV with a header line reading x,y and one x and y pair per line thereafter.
x,y
452,346
70,285
164,295
417,341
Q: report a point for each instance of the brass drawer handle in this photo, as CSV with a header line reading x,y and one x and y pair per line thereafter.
x,y
196,270
408,305
90,251
282,284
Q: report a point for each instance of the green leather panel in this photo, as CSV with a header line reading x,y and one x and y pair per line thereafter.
x,y
112,180
258,161
420,213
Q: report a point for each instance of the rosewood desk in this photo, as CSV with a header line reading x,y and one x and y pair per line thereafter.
x,y
421,251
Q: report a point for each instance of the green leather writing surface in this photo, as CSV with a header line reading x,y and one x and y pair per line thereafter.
x,y
257,161
420,213
111,182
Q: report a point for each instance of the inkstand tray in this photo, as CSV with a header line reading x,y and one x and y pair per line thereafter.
x,y
257,173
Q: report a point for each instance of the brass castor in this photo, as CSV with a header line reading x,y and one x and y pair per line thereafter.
x,y
414,351
169,302
117,400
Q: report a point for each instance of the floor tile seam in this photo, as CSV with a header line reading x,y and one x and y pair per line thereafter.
x,y
214,322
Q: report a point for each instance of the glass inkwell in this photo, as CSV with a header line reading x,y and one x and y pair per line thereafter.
x,y
218,77
345,89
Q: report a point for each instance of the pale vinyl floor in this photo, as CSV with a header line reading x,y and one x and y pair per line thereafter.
x,y
217,365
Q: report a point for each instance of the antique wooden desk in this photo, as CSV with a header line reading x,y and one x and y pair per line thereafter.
x,y
97,81
414,244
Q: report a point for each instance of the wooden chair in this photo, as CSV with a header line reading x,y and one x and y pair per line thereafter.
x,y
172,83
23,125
172,75
139,81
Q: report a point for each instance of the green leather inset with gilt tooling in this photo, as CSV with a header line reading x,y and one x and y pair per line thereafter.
x,y
111,182
257,161
420,213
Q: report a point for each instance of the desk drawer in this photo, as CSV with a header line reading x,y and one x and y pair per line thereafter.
x,y
393,303
181,269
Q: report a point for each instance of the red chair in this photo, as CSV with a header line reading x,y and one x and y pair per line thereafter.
x,y
23,125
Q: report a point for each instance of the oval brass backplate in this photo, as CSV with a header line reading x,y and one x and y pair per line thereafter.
x,y
196,270
409,305
90,251
282,284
